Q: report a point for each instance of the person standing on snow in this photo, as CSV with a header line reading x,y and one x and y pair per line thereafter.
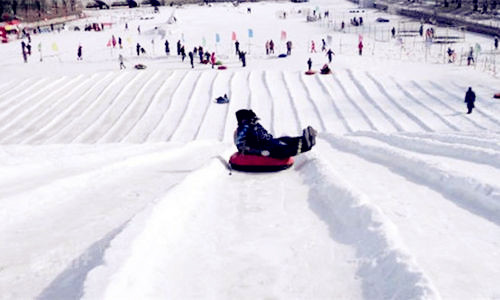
x,y
330,53
167,48
360,47
120,59
191,59
252,138
289,48
237,46
212,59
309,64
313,47
79,52
138,49
470,98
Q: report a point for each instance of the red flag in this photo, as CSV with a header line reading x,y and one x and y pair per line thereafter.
x,y
283,35
233,36
108,44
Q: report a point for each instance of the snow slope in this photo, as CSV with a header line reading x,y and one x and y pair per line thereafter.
x,y
113,184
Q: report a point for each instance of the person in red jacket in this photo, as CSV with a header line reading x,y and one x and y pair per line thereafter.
x,y
360,47
212,59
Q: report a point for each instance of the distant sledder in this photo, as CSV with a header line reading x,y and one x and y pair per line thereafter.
x,y
222,99
259,151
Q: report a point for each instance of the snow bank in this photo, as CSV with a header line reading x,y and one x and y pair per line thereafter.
x,y
450,149
386,270
465,191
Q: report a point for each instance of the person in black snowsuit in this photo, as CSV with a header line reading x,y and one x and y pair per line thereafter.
x,y
183,53
237,46
470,98
191,58
330,54
289,48
243,58
138,49
200,53
79,53
252,138
167,48
178,47
309,64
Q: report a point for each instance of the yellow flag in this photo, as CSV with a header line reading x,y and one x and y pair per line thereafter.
x,y
54,47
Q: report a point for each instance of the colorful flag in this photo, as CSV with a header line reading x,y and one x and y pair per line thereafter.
x,y
217,38
109,43
54,47
233,36
250,33
204,42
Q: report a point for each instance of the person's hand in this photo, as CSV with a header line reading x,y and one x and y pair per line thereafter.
x,y
265,153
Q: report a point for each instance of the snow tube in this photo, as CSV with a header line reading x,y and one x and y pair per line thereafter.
x,y
282,55
311,72
256,163
496,96
326,72
221,67
140,67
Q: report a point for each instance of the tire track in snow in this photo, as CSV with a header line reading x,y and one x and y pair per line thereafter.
x,y
205,112
418,86
50,130
410,96
226,111
354,104
132,111
20,91
457,139
46,114
14,114
155,111
185,107
339,114
410,115
415,144
144,111
312,102
293,105
103,113
370,100
475,196
282,116
77,125
351,218
197,105
270,101
455,96
155,133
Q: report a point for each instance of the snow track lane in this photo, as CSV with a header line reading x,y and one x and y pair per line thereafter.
x,y
245,226
433,219
338,113
42,113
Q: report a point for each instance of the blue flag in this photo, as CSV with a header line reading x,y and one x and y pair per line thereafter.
x,y
217,38
250,33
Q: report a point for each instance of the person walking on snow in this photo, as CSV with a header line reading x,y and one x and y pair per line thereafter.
x,y
253,139
360,47
212,59
313,47
470,98
191,59
120,59
167,48
79,52
330,53
237,46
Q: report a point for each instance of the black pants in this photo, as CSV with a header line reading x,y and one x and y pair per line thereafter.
x,y
284,147
469,108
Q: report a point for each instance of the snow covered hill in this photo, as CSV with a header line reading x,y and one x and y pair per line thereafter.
x,y
113,184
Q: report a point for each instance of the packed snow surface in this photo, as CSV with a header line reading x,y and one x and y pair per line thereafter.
x,y
114,185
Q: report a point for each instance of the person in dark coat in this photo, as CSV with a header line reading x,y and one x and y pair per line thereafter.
x,y
138,49
79,52
252,138
309,64
330,54
178,47
243,58
167,48
237,46
470,98
191,58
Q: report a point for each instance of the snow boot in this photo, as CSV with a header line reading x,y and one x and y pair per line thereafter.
x,y
309,137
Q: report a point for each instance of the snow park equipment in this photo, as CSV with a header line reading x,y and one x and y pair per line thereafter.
x,y
257,163
140,67
310,72
496,96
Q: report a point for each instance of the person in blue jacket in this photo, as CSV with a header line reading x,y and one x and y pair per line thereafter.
x,y
252,138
